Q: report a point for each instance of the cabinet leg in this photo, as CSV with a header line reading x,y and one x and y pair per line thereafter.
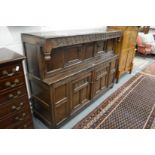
x,y
117,76
117,80
130,71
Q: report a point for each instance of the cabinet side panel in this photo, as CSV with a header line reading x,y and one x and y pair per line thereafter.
x,y
32,59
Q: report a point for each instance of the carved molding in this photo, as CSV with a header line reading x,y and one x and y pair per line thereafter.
x,y
78,39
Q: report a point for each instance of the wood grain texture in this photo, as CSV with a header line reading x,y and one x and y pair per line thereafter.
x,y
125,48
78,70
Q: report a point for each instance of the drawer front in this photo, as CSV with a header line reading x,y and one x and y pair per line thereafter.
x,y
11,69
26,124
13,94
16,118
11,82
14,106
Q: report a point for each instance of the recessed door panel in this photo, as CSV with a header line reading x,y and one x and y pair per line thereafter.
x,y
81,93
61,102
101,78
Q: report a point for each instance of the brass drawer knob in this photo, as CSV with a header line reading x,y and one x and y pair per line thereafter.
x,y
24,114
4,72
17,108
18,92
8,84
15,96
18,118
25,125
14,70
21,104
16,81
11,95
14,107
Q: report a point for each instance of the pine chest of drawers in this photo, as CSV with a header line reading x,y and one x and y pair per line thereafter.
x,y
68,71
15,110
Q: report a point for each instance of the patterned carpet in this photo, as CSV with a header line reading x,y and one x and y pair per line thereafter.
x,y
132,106
150,69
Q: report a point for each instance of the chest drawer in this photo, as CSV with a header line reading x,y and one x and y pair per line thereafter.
x,y
25,124
15,109
11,82
13,106
16,118
13,94
10,69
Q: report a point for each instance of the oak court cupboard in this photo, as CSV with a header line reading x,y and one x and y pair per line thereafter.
x,y
68,70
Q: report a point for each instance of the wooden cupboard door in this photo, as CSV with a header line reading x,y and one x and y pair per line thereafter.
x,y
81,91
130,57
129,39
110,45
101,78
61,101
122,59
112,73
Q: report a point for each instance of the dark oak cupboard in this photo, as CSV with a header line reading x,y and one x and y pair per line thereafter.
x,y
67,71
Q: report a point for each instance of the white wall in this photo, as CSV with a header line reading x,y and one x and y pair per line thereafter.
x,y
10,36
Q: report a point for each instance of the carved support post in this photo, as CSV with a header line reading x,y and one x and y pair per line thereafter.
x,y
47,51
47,56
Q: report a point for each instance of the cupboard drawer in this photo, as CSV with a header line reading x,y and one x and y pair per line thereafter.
x,y
16,118
14,106
13,94
11,69
11,82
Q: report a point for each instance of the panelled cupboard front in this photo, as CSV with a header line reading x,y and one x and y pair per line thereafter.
x,y
68,71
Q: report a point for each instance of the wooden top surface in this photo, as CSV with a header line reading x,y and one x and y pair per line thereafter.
x,y
7,55
63,34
